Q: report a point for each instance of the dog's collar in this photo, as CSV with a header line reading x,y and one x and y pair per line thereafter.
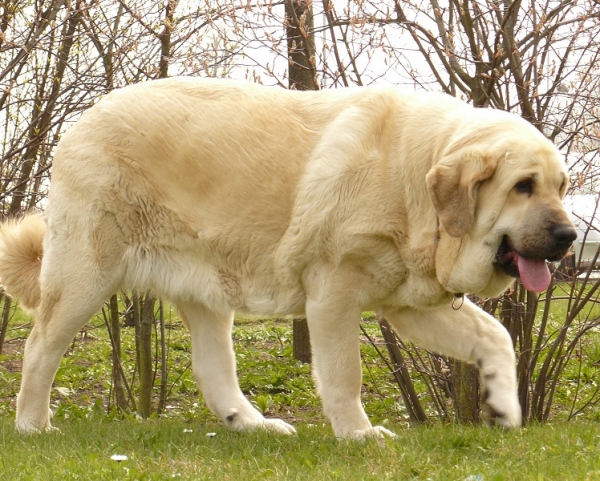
x,y
455,305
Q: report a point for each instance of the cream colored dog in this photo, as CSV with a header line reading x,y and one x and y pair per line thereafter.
x,y
223,196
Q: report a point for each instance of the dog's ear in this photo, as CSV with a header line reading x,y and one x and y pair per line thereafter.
x,y
453,183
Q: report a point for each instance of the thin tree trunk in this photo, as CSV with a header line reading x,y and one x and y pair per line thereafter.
x,y
5,319
301,341
301,76
120,398
162,400
144,315
165,38
301,45
411,399
465,385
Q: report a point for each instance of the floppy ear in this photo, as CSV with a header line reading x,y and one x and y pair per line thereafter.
x,y
452,184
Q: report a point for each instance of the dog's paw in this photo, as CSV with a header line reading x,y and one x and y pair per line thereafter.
x,y
509,416
32,428
504,419
253,421
500,401
375,432
278,426
25,425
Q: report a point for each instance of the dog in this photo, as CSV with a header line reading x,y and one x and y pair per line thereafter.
x,y
223,196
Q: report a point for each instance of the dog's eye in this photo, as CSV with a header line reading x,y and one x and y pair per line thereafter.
x,y
563,186
525,186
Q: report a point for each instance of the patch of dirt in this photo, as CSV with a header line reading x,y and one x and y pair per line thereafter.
x,y
13,350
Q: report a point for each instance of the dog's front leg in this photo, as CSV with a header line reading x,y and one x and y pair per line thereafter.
x,y
468,334
334,336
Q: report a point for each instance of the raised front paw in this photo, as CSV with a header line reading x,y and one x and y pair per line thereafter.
x,y
501,408
510,418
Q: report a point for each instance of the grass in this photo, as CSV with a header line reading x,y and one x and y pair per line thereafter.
x,y
171,449
275,383
177,445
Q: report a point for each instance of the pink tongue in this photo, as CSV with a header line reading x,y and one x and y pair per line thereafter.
x,y
534,274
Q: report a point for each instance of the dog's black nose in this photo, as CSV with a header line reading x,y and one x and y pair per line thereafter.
x,y
564,234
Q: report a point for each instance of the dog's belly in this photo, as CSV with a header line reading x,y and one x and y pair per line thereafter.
x,y
192,277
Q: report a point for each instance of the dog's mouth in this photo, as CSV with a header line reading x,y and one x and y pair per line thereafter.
x,y
534,273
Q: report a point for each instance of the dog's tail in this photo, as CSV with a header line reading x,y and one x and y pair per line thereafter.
x,y
21,248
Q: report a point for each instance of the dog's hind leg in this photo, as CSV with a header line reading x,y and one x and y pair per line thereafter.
x,y
213,363
73,288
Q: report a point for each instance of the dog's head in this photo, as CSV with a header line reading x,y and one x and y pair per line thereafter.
x,y
497,190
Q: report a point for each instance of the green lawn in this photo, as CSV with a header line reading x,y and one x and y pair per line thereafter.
x,y
271,378
170,449
177,444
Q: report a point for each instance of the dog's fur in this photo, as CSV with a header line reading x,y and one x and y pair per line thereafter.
x,y
223,196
